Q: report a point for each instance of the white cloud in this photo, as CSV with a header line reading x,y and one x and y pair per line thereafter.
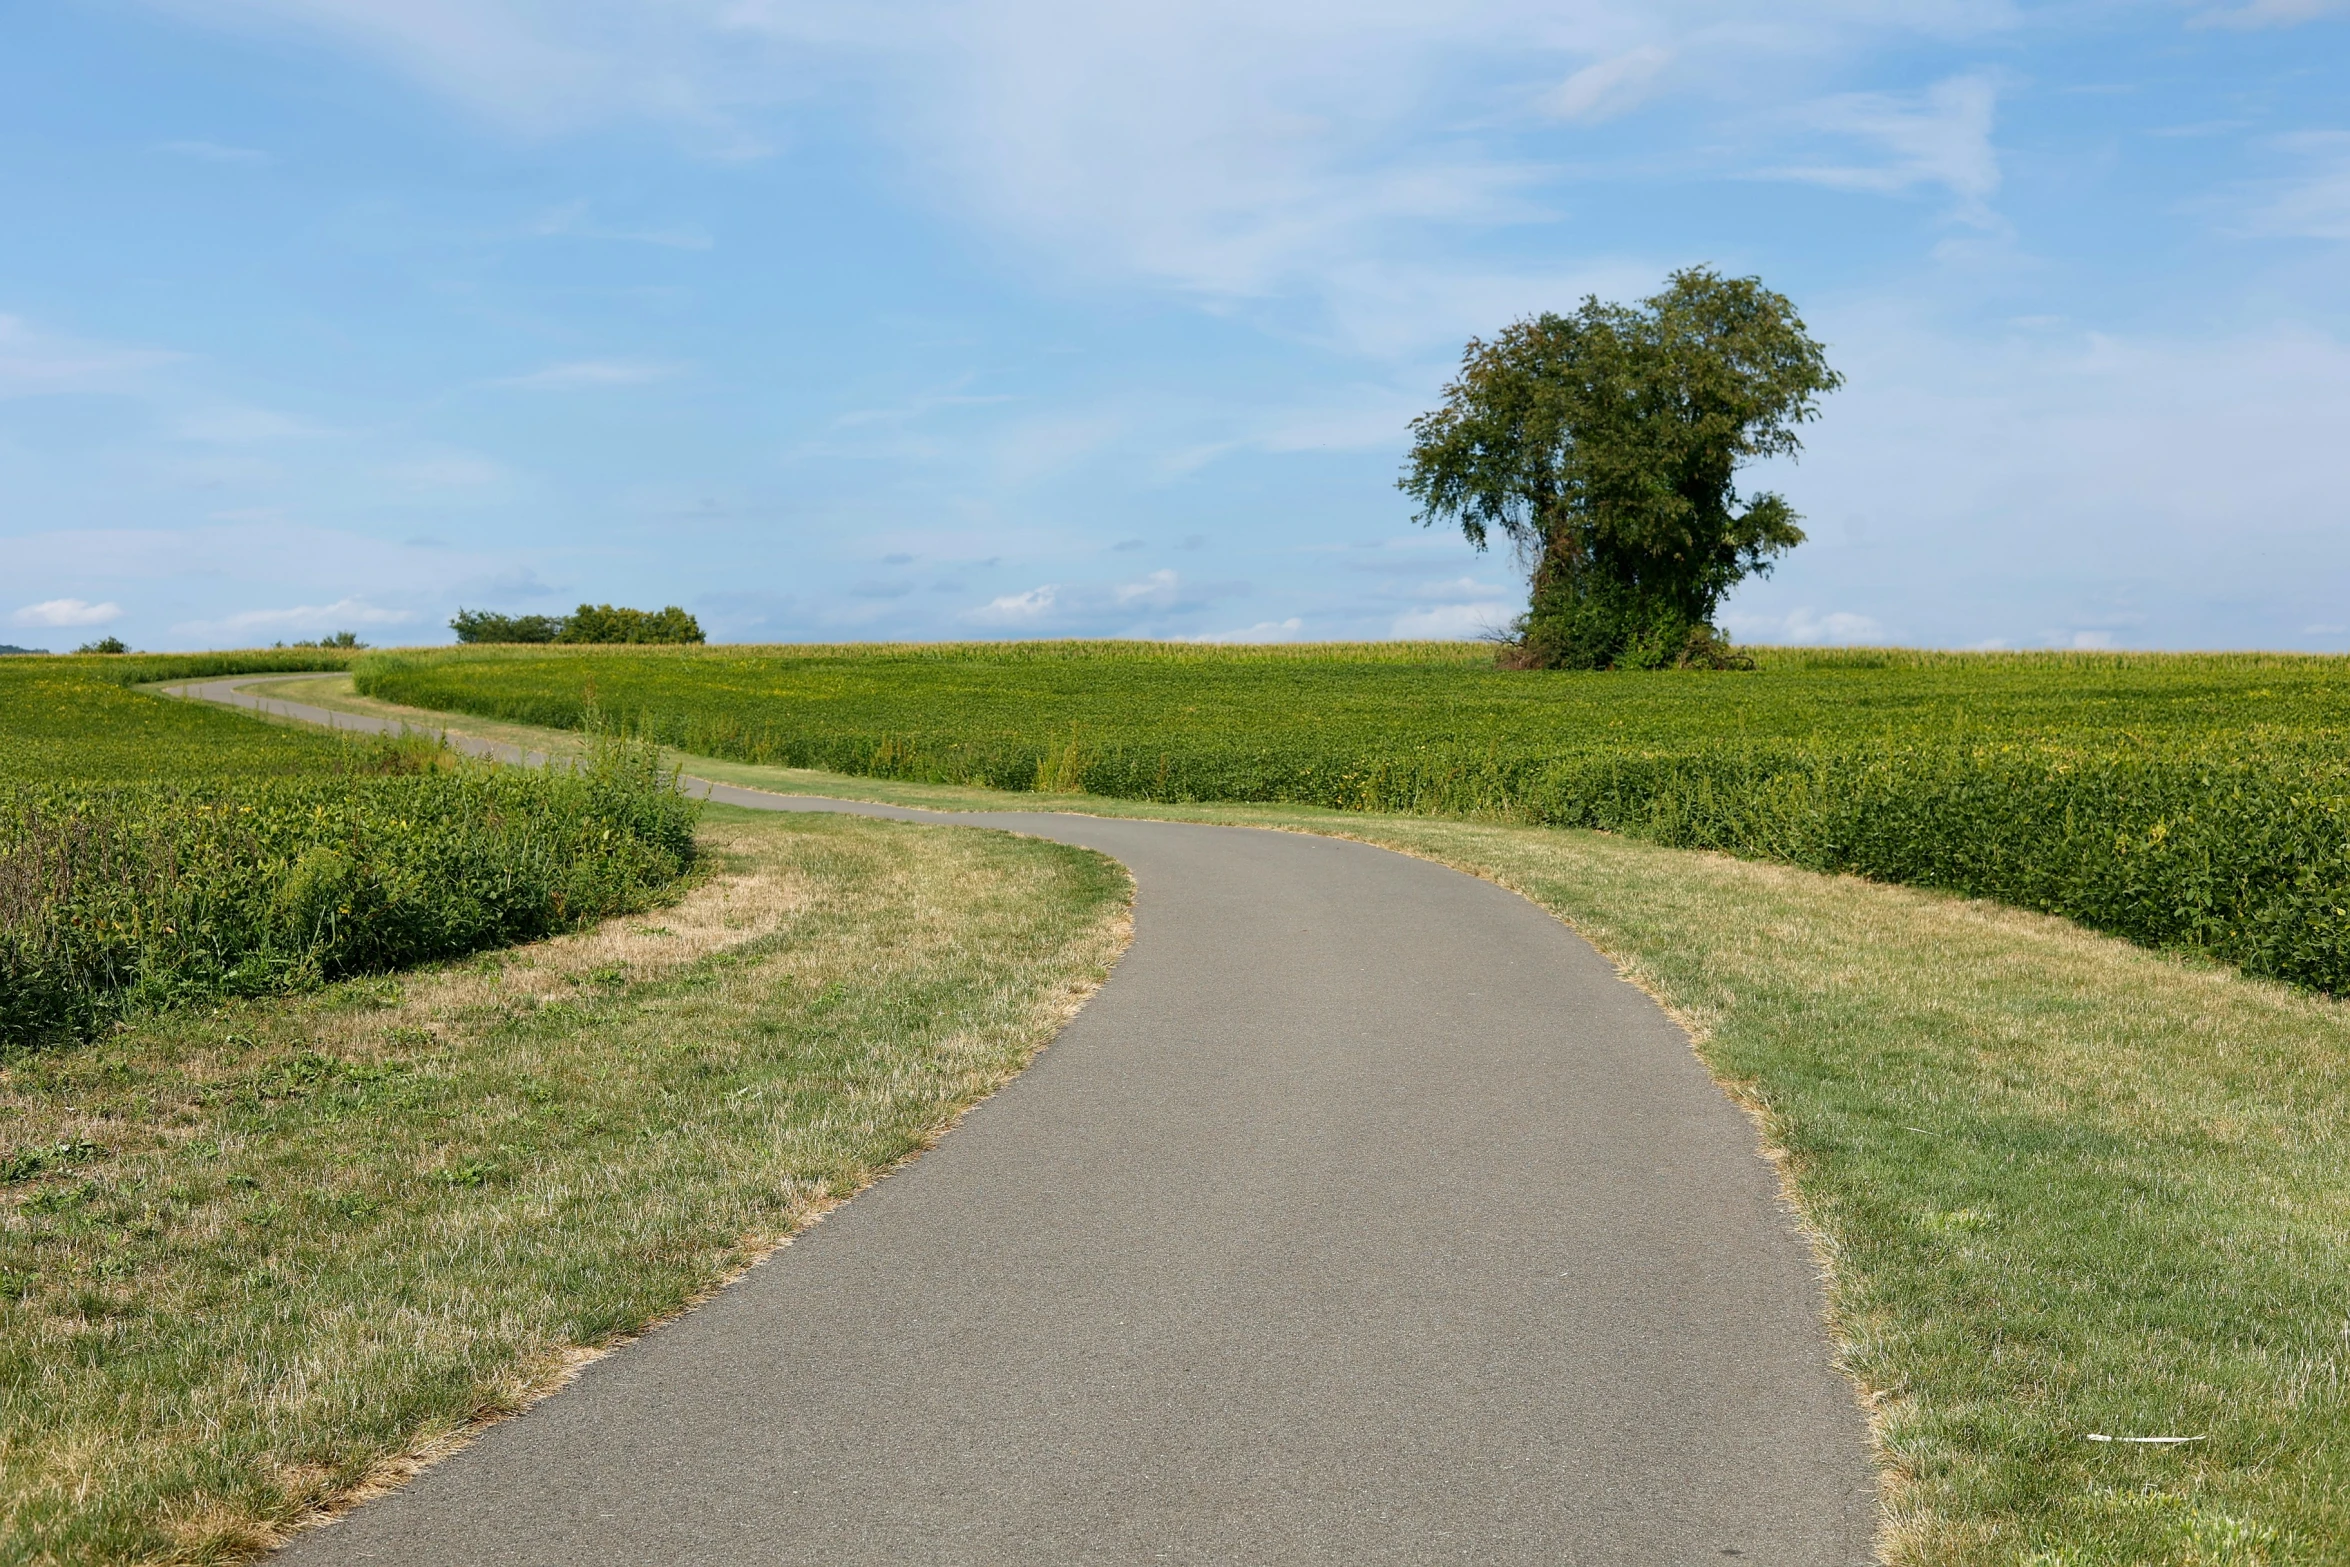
x,y
1453,622
589,374
1609,88
573,221
1014,609
2316,203
1236,149
66,612
1940,137
343,614
535,64
1155,591
237,425
213,152
1155,604
2052,481
1805,628
1289,630
2269,13
34,362
445,471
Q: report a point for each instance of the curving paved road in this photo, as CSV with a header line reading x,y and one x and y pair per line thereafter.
x,y
1365,1216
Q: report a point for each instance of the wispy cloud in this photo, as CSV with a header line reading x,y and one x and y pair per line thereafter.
x,y
445,471
33,362
213,152
342,614
1938,137
1236,150
590,375
1018,609
1149,605
2315,203
2269,13
1290,630
574,220
1805,628
1454,622
66,612
1609,88
231,424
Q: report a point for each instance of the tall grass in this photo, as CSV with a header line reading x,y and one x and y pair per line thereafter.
x,y
153,852
122,897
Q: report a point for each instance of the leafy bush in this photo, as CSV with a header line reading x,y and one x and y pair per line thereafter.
x,y
2198,801
604,623
590,623
130,895
153,851
481,625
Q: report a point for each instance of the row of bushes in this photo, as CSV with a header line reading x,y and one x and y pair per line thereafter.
x,y
2180,801
590,623
2245,858
121,895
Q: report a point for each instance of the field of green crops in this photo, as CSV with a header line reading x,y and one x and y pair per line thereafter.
x,y
2195,801
155,851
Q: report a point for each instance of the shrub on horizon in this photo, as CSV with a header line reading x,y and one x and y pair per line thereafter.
x,y
590,623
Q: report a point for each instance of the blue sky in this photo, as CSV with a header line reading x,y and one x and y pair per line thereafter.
x,y
935,319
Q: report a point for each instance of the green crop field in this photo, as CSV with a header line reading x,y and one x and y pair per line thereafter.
x,y
79,718
154,851
2194,801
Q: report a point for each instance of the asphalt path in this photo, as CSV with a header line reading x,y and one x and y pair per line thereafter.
x,y
1364,1216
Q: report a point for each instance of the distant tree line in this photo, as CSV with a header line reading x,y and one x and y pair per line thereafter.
x,y
588,623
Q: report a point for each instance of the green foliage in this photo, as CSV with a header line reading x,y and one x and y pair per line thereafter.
x,y
480,625
1605,446
2192,801
590,623
604,623
338,639
78,718
154,851
104,645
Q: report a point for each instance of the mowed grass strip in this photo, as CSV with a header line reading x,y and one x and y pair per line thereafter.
x,y
2064,1187
261,1257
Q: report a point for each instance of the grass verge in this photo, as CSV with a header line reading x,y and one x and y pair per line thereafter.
x,y
260,1258
2067,1187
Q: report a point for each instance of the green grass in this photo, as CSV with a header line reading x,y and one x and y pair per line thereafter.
x,y
2064,1185
2198,801
264,1256
154,852
78,718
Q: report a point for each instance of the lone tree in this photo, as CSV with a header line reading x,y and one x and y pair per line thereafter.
x,y
1604,445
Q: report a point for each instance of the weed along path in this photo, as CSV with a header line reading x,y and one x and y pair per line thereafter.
x,y
1365,1215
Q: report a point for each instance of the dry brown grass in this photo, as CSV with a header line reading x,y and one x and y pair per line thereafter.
x,y
310,1246
2067,1186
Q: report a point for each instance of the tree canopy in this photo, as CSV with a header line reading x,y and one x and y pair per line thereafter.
x,y
1605,445
588,623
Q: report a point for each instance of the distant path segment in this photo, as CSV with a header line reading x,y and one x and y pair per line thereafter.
x,y
1364,1216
